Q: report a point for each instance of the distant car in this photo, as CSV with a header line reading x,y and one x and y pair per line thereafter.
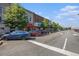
x,y
44,31
35,33
77,30
16,35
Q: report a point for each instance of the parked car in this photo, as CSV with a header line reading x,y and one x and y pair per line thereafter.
x,y
16,35
44,31
77,30
35,32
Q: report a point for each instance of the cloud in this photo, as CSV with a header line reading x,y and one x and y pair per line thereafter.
x,y
39,13
71,19
47,17
68,12
68,15
69,8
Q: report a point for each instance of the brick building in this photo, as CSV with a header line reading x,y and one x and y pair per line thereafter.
x,y
34,18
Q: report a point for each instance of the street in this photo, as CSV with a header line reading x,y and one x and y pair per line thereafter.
x,y
63,43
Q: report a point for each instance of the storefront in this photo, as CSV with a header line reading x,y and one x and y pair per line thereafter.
x,y
31,26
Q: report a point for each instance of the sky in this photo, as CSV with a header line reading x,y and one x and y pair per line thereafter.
x,y
66,14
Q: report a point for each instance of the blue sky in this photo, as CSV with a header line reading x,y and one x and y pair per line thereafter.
x,y
63,13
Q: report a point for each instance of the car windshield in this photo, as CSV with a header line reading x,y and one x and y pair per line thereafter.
x,y
34,31
19,32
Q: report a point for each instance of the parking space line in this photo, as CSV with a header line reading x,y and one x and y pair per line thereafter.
x,y
4,43
61,51
65,44
75,34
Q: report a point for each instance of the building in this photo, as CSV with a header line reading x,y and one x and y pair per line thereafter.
x,y
3,29
2,8
29,15
33,18
37,19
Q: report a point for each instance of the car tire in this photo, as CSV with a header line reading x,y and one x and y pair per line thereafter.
x,y
5,39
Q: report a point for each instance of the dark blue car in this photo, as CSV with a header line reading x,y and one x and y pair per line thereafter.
x,y
16,35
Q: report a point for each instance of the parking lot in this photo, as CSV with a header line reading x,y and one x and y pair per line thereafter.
x,y
63,43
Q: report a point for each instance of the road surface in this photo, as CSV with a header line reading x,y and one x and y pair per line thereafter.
x,y
63,43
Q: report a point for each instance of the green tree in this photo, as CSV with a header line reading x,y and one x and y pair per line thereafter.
x,y
60,27
44,23
55,26
15,16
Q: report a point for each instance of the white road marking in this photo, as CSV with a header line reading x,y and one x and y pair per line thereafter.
x,y
75,34
4,43
61,33
61,51
65,44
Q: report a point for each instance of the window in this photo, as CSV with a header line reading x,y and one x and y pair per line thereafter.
x,y
0,19
0,10
30,18
0,14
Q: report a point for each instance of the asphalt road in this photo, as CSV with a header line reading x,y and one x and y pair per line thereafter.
x,y
63,43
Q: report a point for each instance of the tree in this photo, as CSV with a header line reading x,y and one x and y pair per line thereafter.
x,y
60,27
44,23
15,17
56,26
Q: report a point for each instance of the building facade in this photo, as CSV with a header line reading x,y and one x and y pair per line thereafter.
x,y
33,18
3,29
37,19
29,15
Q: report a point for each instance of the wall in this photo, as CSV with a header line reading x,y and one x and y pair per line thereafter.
x,y
30,16
3,28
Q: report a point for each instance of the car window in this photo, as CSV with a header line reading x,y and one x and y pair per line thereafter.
x,y
34,31
18,32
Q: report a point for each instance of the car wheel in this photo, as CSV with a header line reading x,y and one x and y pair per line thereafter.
x,y
5,38
24,38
